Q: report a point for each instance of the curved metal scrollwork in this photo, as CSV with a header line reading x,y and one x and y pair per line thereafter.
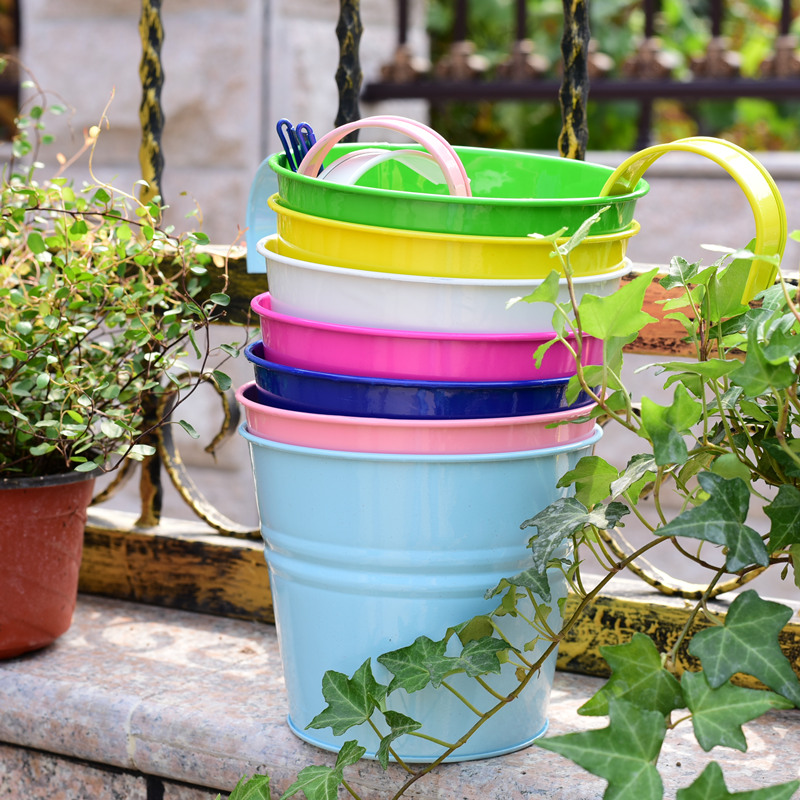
x,y
182,480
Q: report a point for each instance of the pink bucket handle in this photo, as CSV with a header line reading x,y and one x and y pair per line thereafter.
x,y
451,166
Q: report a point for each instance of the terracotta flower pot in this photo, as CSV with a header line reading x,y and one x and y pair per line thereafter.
x,y
41,541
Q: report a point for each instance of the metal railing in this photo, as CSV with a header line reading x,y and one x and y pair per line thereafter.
x,y
644,76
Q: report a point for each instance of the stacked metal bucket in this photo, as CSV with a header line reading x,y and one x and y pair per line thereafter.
x,y
400,427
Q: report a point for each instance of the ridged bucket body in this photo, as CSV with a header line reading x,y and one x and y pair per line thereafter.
x,y
369,551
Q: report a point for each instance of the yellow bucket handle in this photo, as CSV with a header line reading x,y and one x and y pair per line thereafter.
x,y
758,185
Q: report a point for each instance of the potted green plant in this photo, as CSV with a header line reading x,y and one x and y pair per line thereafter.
x,y
98,304
724,444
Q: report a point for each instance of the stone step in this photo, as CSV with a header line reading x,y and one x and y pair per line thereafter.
x,y
138,702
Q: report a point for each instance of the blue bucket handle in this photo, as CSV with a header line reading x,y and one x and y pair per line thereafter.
x,y
261,219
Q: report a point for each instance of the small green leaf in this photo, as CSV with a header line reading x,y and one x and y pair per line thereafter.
x,y
546,291
554,525
418,664
322,783
479,657
718,714
582,232
713,369
188,428
222,379
36,242
710,785
400,725
757,375
220,299
620,314
110,429
592,477
351,701
784,514
720,520
638,468
255,788
624,753
230,349
638,676
729,466
666,426
748,643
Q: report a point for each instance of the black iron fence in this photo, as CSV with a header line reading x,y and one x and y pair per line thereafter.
x,y
461,73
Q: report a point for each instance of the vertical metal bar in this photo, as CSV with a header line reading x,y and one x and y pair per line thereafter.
x,y
521,22
716,18
348,73
151,490
651,8
786,17
645,120
644,124
151,159
574,91
402,22
460,23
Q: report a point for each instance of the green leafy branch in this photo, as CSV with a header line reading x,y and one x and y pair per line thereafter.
x,y
725,441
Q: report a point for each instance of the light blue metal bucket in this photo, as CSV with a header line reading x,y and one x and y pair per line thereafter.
x,y
369,551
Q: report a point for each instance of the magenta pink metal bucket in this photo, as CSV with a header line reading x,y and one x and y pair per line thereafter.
x,y
411,355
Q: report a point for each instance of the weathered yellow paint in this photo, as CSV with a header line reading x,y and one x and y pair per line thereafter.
x,y
178,565
613,619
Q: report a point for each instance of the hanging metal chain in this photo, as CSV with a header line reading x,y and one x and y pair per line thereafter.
x,y
574,90
151,116
348,73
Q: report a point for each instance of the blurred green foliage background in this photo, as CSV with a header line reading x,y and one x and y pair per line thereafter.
x,y
618,27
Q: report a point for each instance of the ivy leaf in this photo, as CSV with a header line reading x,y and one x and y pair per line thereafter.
x,y
718,714
255,788
710,785
720,520
756,375
712,369
638,468
545,292
726,287
666,426
418,664
784,514
620,314
559,520
400,725
554,525
322,783
479,657
637,676
351,701
748,643
592,477
533,579
679,273
624,753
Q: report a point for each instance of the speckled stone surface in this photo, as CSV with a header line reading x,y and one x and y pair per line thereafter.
x,y
33,775
200,700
